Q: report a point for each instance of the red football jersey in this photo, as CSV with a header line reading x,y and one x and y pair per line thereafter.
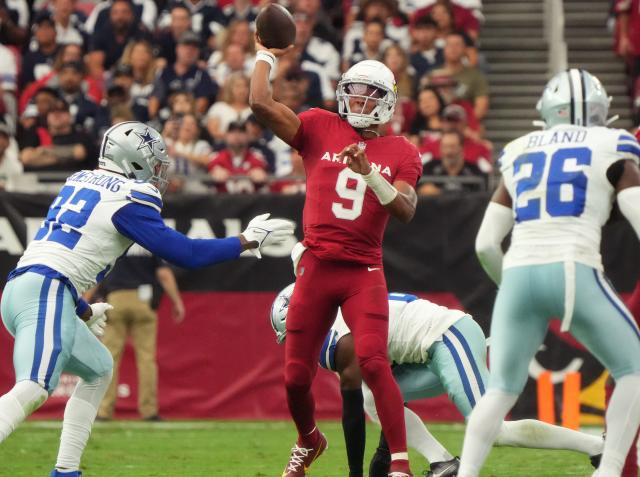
x,y
343,219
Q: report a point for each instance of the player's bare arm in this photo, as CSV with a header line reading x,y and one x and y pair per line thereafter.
x,y
278,117
399,198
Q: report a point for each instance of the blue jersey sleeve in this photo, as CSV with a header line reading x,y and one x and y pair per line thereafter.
x,y
628,147
145,226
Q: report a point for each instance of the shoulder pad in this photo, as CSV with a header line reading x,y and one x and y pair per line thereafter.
x,y
145,194
510,152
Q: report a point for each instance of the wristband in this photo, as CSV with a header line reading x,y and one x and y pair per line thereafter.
x,y
384,191
267,57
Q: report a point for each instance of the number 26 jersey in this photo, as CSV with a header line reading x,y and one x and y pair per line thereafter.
x,y
343,219
561,194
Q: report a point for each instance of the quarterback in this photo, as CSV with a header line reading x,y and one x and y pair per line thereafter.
x,y
94,219
435,350
356,179
558,187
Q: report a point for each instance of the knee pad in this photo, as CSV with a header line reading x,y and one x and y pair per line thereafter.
x,y
297,375
370,348
30,395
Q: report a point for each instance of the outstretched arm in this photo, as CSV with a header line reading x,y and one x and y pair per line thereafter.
x,y
628,190
496,224
274,115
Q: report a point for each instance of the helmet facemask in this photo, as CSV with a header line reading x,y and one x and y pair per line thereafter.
x,y
369,92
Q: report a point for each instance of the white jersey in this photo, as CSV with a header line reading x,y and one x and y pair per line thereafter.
x,y
414,325
561,195
78,238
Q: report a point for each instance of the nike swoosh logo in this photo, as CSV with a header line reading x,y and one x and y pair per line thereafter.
x,y
372,269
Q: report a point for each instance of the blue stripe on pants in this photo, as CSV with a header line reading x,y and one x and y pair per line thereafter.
x,y
57,338
463,376
42,313
616,305
470,357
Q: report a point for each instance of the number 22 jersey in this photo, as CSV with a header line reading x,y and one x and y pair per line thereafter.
x,y
343,219
561,194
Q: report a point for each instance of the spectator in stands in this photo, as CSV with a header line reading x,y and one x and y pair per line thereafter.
x,y
207,19
372,45
69,23
476,150
240,10
234,60
312,49
34,117
167,39
235,52
38,61
233,106
386,10
450,16
442,173
8,88
428,119
397,61
83,109
138,56
237,168
110,39
144,11
60,146
323,26
472,85
184,75
14,22
10,166
122,90
259,139
188,153
628,46
426,56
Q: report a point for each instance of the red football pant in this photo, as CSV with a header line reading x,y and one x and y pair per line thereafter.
x,y
321,287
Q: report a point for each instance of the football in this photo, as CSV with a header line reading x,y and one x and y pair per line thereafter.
x,y
275,27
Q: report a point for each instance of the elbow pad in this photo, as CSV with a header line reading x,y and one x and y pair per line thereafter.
x,y
629,203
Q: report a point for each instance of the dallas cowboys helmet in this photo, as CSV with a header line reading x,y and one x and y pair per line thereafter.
x,y
369,80
136,151
574,97
279,310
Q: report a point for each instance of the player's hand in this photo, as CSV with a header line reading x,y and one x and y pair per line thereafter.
x,y
98,320
263,231
178,311
356,159
277,52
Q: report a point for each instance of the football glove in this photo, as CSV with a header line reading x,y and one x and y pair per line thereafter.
x,y
98,319
267,231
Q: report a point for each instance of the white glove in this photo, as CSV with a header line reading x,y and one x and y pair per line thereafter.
x,y
267,231
98,319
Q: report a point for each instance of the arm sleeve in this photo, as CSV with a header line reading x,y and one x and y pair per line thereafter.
x,y
497,222
308,119
628,201
411,169
144,225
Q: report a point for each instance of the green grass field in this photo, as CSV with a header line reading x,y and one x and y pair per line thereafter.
x,y
238,449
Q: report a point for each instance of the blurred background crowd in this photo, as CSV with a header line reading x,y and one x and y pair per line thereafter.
x,y
70,69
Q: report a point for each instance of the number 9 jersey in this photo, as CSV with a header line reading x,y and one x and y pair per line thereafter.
x,y
559,180
343,219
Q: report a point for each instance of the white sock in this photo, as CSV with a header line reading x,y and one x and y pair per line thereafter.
x,y
79,414
15,406
623,418
540,435
482,429
419,437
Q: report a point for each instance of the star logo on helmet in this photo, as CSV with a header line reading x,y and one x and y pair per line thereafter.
x,y
146,139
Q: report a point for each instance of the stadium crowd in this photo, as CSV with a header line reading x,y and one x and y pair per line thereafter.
x,y
71,69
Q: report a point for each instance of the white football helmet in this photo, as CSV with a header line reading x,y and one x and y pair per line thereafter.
x,y
279,310
371,81
136,151
574,97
